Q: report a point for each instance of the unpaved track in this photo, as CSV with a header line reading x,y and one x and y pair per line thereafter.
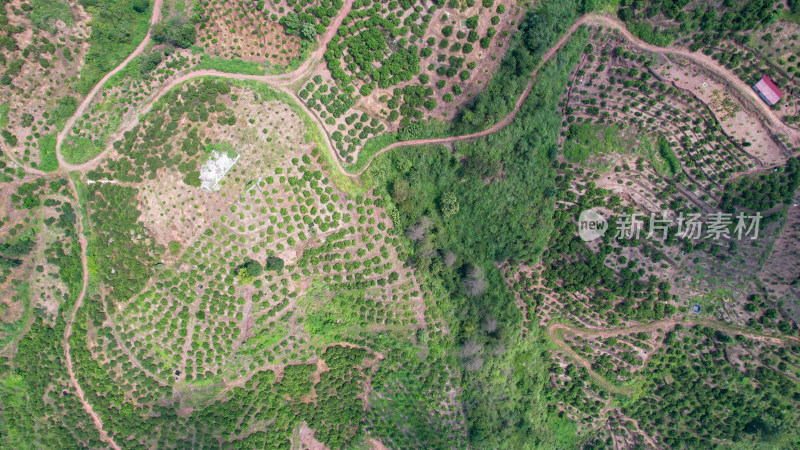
x,y
299,73
98,423
597,19
156,17
275,80
555,331
282,81
701,59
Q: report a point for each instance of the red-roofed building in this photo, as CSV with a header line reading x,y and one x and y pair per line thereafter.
x,y
767,90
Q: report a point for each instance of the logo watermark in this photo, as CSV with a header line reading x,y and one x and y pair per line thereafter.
x,y
715,226
591,225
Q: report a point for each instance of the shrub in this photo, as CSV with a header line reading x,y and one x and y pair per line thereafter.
x,y
254,268
174,247
274,263
177,31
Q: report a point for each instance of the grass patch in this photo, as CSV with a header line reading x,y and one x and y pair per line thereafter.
x,y
79,150
658,162
230,65
16,396
3,114
665,151
648,151
791,16
586,140
46,12
417,130
223,147
610,6
65,108
82,191
330,320
371,147
47,149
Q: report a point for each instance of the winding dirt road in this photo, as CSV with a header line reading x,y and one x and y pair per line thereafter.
x,y
597,19
156,17
282,82
701,59
98,423
557,330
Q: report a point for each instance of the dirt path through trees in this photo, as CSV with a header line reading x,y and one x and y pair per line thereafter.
x,y
557,330
154,19
283,81
701,59
597,19
275,80
98,423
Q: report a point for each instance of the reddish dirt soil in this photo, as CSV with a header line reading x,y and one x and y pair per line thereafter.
x,y
287,79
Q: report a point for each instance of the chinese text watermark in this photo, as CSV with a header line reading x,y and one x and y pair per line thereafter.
x,y
715,226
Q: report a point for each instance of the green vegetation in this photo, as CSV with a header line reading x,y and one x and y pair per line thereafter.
x,y
10,330
230,65
174,247
706,23
65,108
541,29
765,191
702,380
125,243
646,32
117,28
177,31
35,411
19,246
505,218
45,12
79,150
274,263
647,149
584,140
3,114
665,151
793,13
332,320
311,21
47,149
442,300
314,134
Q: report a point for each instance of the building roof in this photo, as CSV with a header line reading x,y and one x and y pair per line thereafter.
x,y
768,89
